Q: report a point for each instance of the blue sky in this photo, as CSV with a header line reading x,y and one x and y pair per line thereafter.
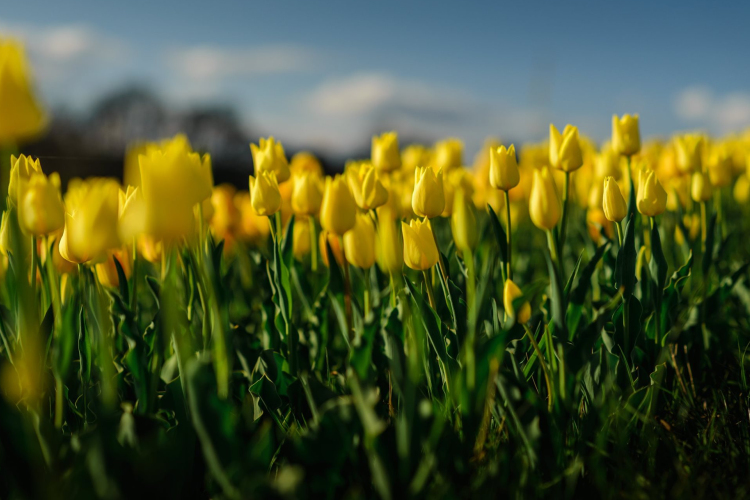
x,y
329,74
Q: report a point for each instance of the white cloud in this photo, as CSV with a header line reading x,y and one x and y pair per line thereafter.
x,y
58,51
370,92
211,63
720,113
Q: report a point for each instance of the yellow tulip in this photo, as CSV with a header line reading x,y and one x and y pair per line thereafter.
x,y
428,198
21,116
511,292
385,154
689,152
700,187
40,207
264,190
626,135
420,251
90,220
269,156
307,193
5,234
301,241
21,170
415,155
390,252
504,168
365,185
174,179
741,190
448,154
305,162
359,243
651,198
338,210
106,271
565,149
464,223
613,203
544,207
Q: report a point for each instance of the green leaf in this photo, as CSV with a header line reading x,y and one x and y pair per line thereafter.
x,y
500,235
626,260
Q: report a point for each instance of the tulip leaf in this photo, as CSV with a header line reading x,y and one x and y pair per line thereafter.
x,y
626,260
708,255
500,235
658,265
556,295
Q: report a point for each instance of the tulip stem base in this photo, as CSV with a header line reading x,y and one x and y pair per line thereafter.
x,y
347,286
564,222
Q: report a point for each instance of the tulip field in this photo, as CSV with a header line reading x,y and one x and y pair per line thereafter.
x,y
563,319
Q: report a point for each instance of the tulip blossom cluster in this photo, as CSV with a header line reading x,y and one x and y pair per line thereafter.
x,y
557,297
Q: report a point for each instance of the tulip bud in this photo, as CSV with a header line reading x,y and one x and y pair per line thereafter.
x,y
307,193
359,243
448,154
21,170
511,292
264,190
613,203
339,211
390,252
565,150
22,116
700,188
626,136
269,156
91,215
689,152
40,208
504,168
301,241
741,191
420,251
385,154
651,199
544,207
367,190
464,223
5,234
428,198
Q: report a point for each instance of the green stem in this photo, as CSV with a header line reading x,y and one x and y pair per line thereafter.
x,y
393,290
428,286
545,368
34,259
347,285
657,297
619,232
471,285
509,232
366,297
